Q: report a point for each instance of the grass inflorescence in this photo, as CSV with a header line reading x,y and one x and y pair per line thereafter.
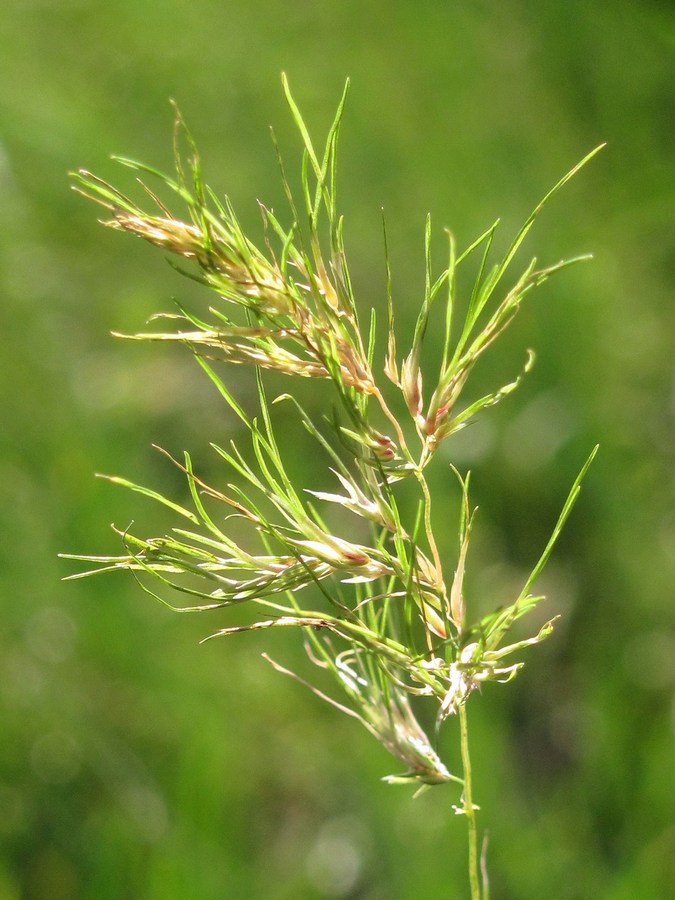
x,y
383,615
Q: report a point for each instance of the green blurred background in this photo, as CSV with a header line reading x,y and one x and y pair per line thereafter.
x,y
135,763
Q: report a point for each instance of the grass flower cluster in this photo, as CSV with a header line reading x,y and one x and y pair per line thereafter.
x,y
385,614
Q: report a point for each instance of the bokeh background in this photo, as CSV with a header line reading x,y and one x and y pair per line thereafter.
x,y
135,763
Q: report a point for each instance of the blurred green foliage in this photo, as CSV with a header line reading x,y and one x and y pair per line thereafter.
x,y
134,763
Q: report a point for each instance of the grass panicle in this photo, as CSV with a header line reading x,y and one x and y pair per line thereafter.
x,y
377,607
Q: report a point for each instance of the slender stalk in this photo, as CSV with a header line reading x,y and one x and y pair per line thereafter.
x,y
468,808
427,527
394,421
483,868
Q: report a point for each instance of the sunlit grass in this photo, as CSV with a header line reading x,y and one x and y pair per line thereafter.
x,y
376,605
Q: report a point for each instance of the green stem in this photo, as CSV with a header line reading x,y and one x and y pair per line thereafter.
x,y
469,809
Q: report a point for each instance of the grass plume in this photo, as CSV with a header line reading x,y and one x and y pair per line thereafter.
x,y
383,615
